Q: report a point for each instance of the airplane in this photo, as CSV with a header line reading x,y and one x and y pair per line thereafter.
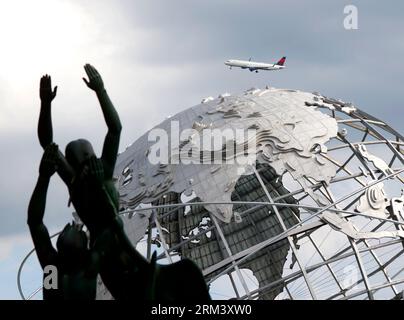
x,y
255,66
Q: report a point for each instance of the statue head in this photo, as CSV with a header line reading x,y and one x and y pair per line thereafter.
x,y
78,152
72,243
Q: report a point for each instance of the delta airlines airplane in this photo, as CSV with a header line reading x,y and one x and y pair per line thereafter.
x,y
255,66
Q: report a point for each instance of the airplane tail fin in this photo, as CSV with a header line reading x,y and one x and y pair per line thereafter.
x,y
281,62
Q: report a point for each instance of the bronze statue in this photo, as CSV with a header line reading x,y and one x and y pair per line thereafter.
x,y
95,200
76,266
125,272
78,152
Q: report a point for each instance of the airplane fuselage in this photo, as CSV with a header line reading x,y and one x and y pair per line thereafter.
x,y
252,65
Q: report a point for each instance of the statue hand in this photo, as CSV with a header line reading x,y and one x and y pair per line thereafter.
x,y
94,81
94,169
48,164
45,89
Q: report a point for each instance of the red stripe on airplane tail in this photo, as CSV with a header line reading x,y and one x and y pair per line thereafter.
x,y
281,62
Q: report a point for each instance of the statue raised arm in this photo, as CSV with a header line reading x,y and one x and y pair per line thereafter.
x,y
88,200
46,94
45,130
111,142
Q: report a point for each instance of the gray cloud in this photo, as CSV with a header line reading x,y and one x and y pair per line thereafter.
x,y
363,66
159,57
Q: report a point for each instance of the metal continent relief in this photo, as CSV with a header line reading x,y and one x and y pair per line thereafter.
x,y
290,136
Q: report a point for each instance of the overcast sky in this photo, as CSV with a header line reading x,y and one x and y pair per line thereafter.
x,y
159,57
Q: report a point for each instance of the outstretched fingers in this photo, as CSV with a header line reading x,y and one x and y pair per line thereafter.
x,y
89,75
94,80
95,72
45,81
91,71
87,69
